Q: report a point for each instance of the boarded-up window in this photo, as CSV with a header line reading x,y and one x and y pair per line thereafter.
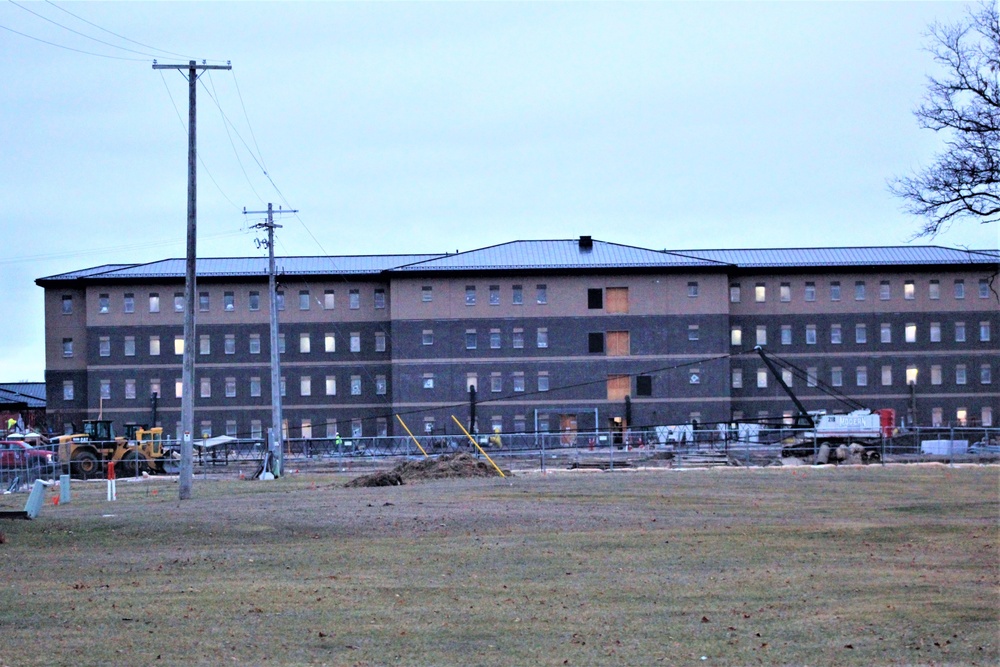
x,y
619,386
617,299
618,344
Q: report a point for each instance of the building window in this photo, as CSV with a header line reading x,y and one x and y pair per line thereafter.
x,y
253,300
736,336
203,302
787,377
204,344
178,388
936,374
862,376
494,295
517,340
860,333
494,339
154,346
835,290
281,343
205,387
67,347
106,389
543,381
178,345
785,292
986,416
517,296
984,331
279,299
810,291
231,428
961,416
354,299
934,289
471,342
428,380
887,376
355,385
154,388
380,299
909,290
812,376
885,333
761,334
229,344
694,376
935,332
959,289
859,290
835,334
619,386
984,289
67,390
985,376
427,337
471,381
496,382
129,304
305,343
104,346
937,416
595,299
761,378
254,343
470,295
960,374
154,303
67,304
692,289
618,344
178,303
786,334
380,385
331,385
426,293
130,389
380,341
129,346
910,333
355,341
760,293
734,293
541,294
329,342
595,343
305,385
103,303
959,332
304,299
693,332
911,374
428,424
228,302
837,376
255,387
737,378
543,337
884,290
230,387
518,380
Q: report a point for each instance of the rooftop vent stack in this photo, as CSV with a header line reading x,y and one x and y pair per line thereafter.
x,y
586,244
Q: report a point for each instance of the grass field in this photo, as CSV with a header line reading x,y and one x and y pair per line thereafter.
x,y
850,566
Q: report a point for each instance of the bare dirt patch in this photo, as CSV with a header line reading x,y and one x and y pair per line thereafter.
x,y
450,466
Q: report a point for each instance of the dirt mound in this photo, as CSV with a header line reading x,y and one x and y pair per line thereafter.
x,y
442,467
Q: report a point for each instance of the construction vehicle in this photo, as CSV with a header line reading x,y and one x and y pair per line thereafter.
x,y
88,453
818,432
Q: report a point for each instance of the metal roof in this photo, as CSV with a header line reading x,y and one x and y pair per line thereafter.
x,y
561,254
87,273
30,393
868,256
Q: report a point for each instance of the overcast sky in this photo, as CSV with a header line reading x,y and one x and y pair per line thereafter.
x,y
399,128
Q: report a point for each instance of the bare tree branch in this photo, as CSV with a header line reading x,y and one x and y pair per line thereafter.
x,y
964,180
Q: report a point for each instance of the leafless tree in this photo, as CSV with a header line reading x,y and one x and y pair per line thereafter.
x,y
964,104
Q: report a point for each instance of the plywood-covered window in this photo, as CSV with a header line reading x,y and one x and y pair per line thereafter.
x,y
619,387
618,344
616,299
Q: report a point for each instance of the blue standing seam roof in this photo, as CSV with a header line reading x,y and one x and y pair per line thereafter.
x,y
865,256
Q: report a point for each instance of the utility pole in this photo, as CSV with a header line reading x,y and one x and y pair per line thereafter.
x,y
187,373
277,437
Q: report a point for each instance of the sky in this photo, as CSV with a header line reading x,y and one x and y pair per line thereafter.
x,y
431,127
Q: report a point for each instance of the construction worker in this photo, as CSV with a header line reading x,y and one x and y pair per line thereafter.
x,y
11,423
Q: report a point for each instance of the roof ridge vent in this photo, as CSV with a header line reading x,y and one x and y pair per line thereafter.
x,y
586,244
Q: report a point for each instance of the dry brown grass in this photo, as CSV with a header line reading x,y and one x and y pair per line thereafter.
x,y
849,566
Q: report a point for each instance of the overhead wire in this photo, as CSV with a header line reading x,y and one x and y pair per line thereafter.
x,y
69,48
77,32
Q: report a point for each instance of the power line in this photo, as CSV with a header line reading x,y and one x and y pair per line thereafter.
x,y
76,32
69,48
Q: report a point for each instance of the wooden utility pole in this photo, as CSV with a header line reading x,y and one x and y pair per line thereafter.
x,y
187,374
277,435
